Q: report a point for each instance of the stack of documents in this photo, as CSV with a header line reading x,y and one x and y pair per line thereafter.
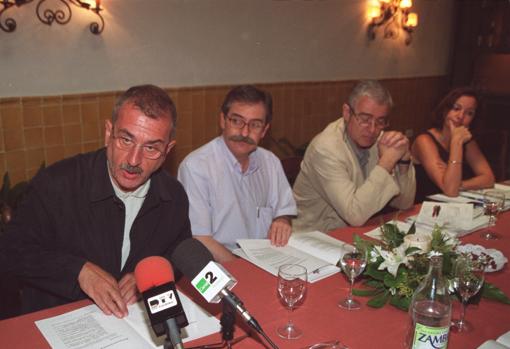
x,y
457,218
319,253
461,219
89,328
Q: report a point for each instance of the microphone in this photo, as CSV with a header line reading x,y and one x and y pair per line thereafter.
x,y
209,278
155,281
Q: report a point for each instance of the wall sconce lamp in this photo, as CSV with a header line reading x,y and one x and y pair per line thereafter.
x,y
394,15
47,15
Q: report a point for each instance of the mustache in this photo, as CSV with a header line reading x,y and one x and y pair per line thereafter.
x,y
131,169
239,138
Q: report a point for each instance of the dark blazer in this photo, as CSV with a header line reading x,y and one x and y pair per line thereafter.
x,y
71,215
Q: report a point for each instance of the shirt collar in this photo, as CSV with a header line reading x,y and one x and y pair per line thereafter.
x,y
360,153
253,163
140,192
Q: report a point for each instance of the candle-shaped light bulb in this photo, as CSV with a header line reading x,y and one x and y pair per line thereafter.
x,y
374,9
405,4
412,20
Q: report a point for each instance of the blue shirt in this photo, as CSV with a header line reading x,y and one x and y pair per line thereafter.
x,y
228,204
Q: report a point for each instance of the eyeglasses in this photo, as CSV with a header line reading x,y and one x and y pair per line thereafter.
x,y
365,120
149,151
253,125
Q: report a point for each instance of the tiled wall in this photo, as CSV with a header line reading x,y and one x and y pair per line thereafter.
x,y
34,130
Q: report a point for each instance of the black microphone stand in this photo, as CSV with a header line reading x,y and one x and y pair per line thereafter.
x,y
227,321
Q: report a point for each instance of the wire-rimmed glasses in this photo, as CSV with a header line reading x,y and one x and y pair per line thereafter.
x,y
149,151
366,120
239,123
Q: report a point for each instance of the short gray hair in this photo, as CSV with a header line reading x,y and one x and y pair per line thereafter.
x,y
372,89
152,100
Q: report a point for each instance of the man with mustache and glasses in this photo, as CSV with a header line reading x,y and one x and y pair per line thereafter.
x,y
88,220
237,190
352,169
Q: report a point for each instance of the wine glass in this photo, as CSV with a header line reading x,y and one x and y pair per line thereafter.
x,y
468,280
292,280
493,202
353,263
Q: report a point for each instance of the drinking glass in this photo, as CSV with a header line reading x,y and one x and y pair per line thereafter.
x,y
493,202
468,278
292,280
353,263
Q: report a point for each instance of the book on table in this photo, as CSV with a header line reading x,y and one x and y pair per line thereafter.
x,y
319,253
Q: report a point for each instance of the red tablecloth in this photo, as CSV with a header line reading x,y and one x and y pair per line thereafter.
x,y
319,315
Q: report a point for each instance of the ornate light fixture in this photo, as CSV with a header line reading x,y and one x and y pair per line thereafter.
x,y
394,15
47,15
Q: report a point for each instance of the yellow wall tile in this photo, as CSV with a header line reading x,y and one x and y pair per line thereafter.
x,y
90,132
13,139
3,168
34,158
89,113
54,154
106,104
72,149
31,101
11,117
32,115
91,146
17,175
15,160
71,114
34,137
53,136
72,134
52,115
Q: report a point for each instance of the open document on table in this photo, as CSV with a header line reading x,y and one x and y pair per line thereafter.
x,y
89,328
316,251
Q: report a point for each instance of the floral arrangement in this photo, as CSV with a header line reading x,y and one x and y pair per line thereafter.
x,y
397,265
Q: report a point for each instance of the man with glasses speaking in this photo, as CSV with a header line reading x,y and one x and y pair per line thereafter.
x,y
352,169
86,221
236,189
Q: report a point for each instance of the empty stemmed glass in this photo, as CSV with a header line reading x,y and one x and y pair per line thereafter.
x,y
468,279
353,263
493,202
292,280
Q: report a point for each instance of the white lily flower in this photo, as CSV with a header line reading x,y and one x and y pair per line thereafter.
x,y
450,238
373,256
393,259
434,253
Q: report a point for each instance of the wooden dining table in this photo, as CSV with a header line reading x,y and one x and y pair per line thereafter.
x,y
318,315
